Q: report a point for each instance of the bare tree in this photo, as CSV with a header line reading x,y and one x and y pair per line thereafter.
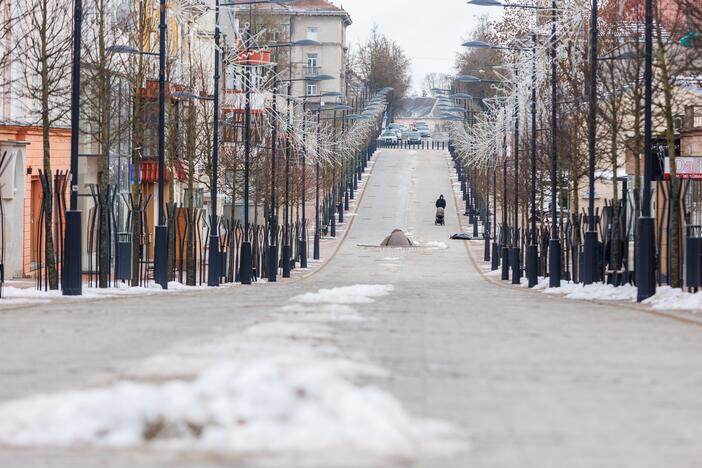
x,y
671,62
98,112
435,80
381,62
46,53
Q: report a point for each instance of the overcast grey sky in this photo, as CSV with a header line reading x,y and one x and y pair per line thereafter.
x,y
430,31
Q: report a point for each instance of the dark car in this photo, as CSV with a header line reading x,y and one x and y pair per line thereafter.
x,y
414,137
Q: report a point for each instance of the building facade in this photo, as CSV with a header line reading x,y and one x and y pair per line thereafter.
x,y
316,20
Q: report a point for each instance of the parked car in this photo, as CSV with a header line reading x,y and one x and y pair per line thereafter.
x,y
424,132
388,137
414,137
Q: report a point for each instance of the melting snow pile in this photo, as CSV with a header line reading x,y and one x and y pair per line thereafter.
x,y
666,298
675,299
595,291
280,404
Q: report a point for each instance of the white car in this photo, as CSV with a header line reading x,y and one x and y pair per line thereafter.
x,y
388,136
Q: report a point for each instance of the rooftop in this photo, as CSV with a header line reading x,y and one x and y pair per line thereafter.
x,y
303,7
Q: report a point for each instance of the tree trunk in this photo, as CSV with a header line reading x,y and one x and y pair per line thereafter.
x,y
104,162
137,142
667,83
616,243
49,249
172,116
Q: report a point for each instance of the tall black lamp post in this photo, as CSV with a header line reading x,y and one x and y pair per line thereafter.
x,y
72,284
214,260
161,232
645,239
590,249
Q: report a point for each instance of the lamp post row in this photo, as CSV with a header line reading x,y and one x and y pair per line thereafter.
x,y
72,264
645,237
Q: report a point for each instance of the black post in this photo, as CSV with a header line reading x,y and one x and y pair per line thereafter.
x,y
317,227
245,260
486,223
554,245
332,218
161,237
645,240
495,252
287,251
273,223
533,250
590,248
303,237
71,281
505,226
214,260
516,260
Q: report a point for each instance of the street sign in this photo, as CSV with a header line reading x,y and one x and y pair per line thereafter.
x,y
686,167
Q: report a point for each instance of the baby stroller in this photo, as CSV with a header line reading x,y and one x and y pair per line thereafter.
x,y
439,217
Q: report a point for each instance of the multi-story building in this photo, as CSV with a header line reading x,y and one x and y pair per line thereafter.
x,y
316,20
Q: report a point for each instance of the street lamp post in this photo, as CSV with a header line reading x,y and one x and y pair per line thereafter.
x,y
214,260
554,244
71,281
590,248
287,232
161,232
554,248
495,253
273,224
317,227
533,250
245,260
505,224
303,235
516,260
645,245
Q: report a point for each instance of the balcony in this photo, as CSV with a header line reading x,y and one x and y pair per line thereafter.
x,y
311,71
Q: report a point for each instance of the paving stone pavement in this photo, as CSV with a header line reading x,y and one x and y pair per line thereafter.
x,y
531,381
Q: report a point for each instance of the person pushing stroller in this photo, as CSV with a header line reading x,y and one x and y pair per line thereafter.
x,y
440,209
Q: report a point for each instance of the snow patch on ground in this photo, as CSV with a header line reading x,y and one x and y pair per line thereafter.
x,y
281,404
357,294
675,299
13,295
435,245
595,291
666,298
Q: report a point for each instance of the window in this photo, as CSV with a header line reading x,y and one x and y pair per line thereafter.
x,y
312,33
312,60
273,35
311,89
